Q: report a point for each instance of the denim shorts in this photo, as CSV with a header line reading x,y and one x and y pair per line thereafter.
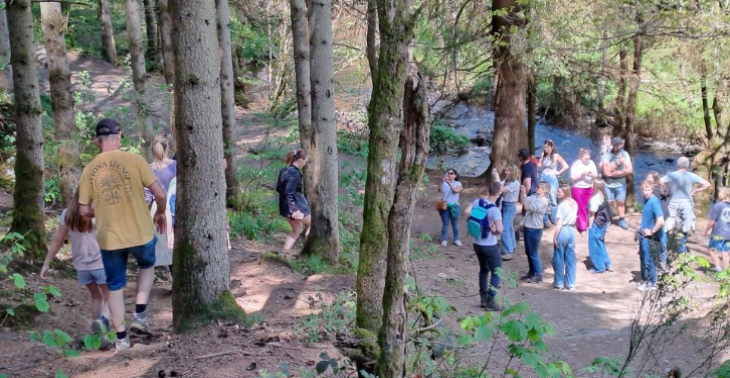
x,y
86,277
115,263
719,244
616,194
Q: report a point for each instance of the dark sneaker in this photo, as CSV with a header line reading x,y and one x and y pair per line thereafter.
x,y
526,277
535,279
140,325
493,306
98,326
484,301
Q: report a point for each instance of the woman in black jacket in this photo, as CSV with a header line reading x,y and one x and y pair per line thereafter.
x,y
292,204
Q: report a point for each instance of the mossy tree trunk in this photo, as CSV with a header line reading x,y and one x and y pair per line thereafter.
x,y
228,103
108,44
201,277
372,46
324,237
143,101
629,132
59,76
385,123
7,78
300,34
531,114
28,194
620,108
153,50
414,152
511,88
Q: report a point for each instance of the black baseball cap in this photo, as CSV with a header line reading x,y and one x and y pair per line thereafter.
x,y
108,126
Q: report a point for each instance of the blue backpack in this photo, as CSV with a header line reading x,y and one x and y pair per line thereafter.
x,y
478,223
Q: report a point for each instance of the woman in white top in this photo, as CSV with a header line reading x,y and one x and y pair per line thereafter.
x,y
536,206
582,173
549,172
510,194
564,240
450,189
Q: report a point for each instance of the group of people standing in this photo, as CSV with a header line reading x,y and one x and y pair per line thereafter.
x,y
583,203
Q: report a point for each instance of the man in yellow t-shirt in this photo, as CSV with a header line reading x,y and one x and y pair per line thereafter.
x,y
114,183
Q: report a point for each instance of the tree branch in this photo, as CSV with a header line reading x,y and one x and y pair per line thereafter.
x,y
63,2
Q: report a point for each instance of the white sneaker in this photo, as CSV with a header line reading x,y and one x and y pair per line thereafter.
x,y
123,344
646,286
444,243
458,242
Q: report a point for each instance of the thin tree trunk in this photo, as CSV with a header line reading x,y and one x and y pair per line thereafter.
x,y
601,116
414,152
153,51
717,105
324,237
510,99
7,79
631,115
108,45
228,104
385,123
29,165
59,77
139,75
300,34
620,109
706,107
372,45
531,115
201,276
165,27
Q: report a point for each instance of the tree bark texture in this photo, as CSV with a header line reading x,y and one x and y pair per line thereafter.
x,y
139,75
29,165
59,77
372,44
620,108
414,145
385,123
629,131
510,100
165,26
7,78
150,17
108,45
201,282
531,115
324,237
706,107
228,103
300,34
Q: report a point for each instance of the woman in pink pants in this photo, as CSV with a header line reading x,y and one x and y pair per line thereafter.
x,y
582,173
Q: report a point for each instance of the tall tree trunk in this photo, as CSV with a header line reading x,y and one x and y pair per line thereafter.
x,y
165,27
717,105
414,152
228,104
139,74
7,79
108,45
300,34
385,123
706,107
531,114
201,277
324,237
59,76
601,116
629,133
620,109
372,45
510,99
153,51
28,194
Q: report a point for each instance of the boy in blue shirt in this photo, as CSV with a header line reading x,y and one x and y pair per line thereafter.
x,y
650,234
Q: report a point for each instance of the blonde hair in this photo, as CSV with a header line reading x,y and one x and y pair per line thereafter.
x,y
572,204
545,187
723,194
583,151
600,186
512,176
160,148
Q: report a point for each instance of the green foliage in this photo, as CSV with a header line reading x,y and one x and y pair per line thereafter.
x,y
444,139
352,143
332,321
605,366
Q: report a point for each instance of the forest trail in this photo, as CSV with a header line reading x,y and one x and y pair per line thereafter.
x,y
593,321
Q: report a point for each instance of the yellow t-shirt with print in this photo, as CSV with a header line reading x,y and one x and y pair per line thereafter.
x,y
113,183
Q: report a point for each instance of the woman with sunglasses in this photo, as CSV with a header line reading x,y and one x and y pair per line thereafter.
x,y
549,172
450,189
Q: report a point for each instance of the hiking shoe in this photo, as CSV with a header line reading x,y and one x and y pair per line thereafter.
x,y
484,301
571,288
458,243
123,344
526,277
140,325
609,268
594,271
646,286
493,306
99,326
507,256
623,224
535,279
557,287
444,243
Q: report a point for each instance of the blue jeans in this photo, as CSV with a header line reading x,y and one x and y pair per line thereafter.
x,y
115,263
447,218
509,211
489,260
597,247
553,181
564,258
647,256
532,249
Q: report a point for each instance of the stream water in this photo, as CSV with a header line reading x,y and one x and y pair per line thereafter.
x,y
478,124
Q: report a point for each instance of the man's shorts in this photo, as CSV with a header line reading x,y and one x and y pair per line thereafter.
x,y
616,194
86,277
719,244
115,263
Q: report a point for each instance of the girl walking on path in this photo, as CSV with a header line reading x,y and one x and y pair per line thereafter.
x,y
549,172
292,204
600,219
162,166
564,240
86,257
450,189
582,173
718,228
536,207
510,194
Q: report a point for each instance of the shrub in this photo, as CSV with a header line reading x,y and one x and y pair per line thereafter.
x,y
444,139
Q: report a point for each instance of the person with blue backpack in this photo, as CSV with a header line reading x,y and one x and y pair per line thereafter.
x,y
484,225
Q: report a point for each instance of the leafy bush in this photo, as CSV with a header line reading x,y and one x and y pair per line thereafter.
x,y
444,139
352,143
